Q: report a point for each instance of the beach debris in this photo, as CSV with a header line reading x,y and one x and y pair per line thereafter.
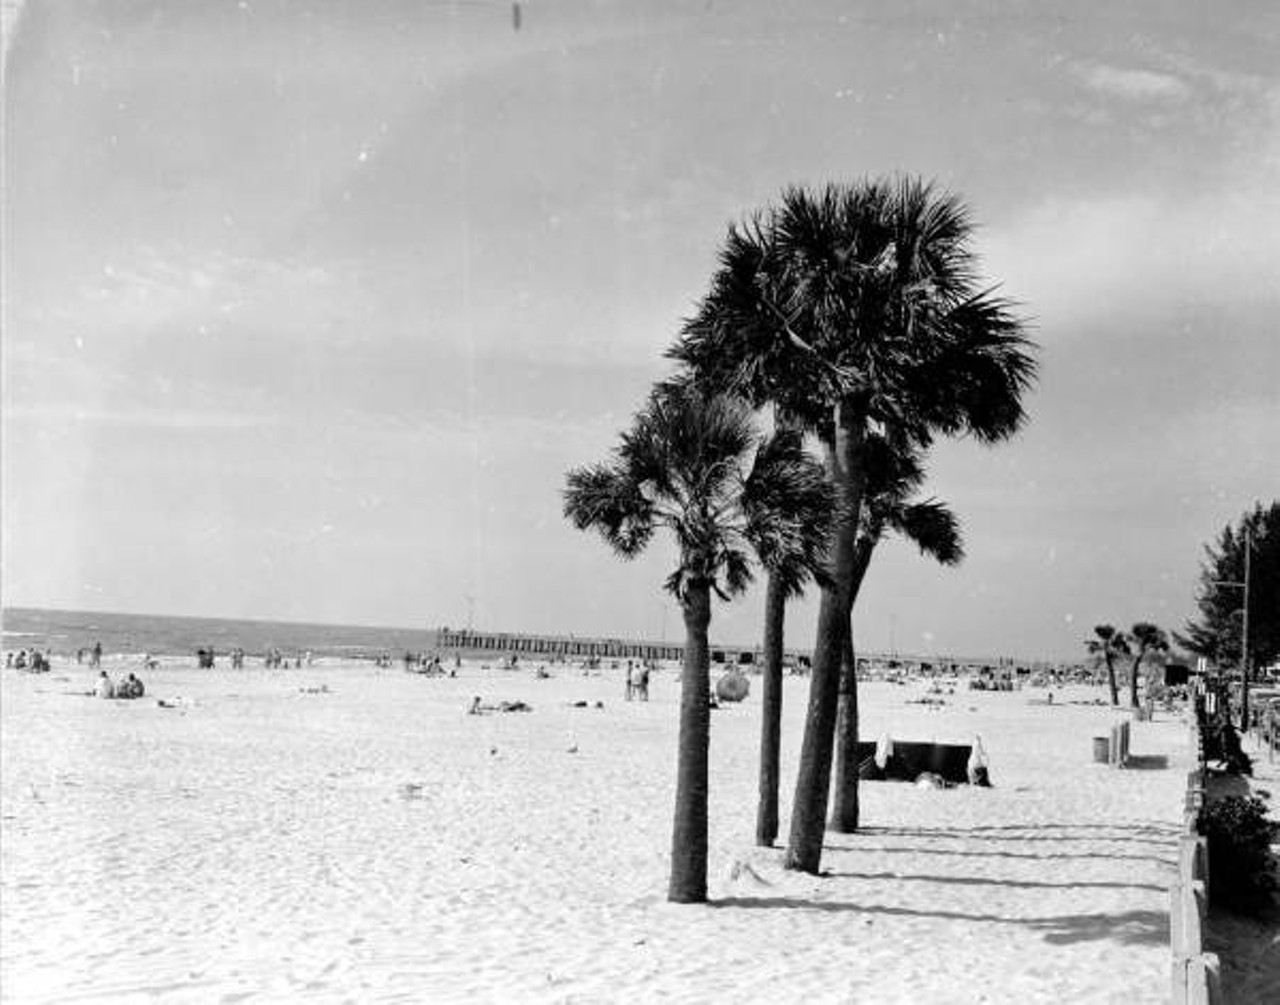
x,y
573,748
315,689
411,790
581,703
741,870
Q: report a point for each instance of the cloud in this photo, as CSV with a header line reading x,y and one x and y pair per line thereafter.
x,y
160,285
1075,259
1131,84
135,417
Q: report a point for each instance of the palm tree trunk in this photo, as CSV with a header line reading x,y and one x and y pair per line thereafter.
x,y
844,792
775,609
689,834
1111,680
1133,679
844,796
813,783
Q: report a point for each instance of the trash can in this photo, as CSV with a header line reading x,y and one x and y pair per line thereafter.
x,y
1101,751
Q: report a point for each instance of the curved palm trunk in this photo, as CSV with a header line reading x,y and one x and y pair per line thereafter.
x,y
1111,679
689,834
775,609
813,783
844,796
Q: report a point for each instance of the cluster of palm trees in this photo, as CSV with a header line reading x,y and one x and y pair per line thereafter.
x,y
852,316
1143,642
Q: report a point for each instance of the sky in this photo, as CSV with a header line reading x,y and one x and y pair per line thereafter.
x,y
309,306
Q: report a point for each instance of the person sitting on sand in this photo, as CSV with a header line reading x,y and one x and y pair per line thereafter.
x,y
131,687
104,688
976,769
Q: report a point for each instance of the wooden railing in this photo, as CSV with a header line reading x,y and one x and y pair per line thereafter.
x,y
1195,974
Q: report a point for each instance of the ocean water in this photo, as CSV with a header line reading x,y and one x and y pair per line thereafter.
x,y
64,632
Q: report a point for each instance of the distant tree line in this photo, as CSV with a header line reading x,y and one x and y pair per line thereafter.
x,y
1247,550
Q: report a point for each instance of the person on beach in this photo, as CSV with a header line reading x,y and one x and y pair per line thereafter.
x,y
104,688
95,660
130,687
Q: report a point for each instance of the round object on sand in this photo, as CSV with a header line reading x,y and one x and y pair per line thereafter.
x,y
733,686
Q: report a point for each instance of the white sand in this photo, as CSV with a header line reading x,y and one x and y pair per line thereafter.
x,y
375,843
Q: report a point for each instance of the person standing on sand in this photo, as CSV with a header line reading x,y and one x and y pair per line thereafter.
x,y
96,659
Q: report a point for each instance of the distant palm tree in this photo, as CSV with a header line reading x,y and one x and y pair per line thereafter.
x,y
1107,646
693,463
894,474
1147,640
851,308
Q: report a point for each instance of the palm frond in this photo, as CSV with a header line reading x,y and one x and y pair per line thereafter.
x,y
982,366
605,498
789,508
933,528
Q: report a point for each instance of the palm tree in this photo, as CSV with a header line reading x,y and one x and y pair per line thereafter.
x,y
1147,641
785,582
1107,646
857,307
693,463
894,474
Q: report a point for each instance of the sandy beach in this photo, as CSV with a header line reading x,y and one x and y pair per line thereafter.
x,y
349,833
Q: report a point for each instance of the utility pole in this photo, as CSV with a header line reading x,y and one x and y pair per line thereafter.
x,y
1244,635
1244,628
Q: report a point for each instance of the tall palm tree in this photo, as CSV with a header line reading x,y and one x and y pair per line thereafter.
x,y
894,474
1148,640
693,463
785,582
855,307
1107,646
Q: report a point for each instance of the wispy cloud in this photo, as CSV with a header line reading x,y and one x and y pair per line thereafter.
x,y
131,416
1132,84
157,285
1074,259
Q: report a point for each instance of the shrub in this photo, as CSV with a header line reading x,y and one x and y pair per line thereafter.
x,y
1241,866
